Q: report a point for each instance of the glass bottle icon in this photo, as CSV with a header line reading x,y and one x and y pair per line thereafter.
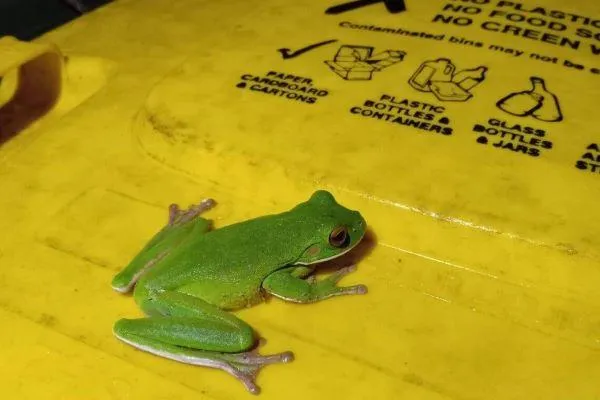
x,y
469,78
537,101
550,109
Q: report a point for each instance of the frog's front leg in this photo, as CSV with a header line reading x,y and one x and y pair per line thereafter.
x,y
189,330
288,284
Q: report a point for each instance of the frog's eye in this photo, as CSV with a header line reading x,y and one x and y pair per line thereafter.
x,y
339,237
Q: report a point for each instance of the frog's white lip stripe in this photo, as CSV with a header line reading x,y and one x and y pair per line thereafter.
x,y
335,256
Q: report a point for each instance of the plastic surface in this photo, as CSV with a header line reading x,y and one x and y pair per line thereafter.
x,y
479,184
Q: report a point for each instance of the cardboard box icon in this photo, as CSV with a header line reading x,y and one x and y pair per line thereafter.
x,y
359,63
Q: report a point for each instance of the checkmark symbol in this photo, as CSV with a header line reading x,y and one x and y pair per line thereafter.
x,y
393,6
288,53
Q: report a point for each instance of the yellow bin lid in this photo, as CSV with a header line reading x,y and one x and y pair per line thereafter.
x,y
464,131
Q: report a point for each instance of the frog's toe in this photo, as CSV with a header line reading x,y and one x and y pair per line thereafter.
x,y
245,366
339,274
334,290
179,216
356,289
174,213
248,379
251,360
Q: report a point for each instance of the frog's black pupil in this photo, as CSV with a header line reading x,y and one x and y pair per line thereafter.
x,y
339,237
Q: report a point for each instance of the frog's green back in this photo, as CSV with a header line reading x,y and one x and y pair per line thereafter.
x,y
244,253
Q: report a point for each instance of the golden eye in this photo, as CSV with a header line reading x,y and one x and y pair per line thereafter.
x,y
339,237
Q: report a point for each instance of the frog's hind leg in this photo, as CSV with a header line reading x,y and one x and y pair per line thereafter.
x,y
181,224
189,330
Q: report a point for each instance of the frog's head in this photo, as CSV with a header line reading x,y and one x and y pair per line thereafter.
x,y
334,229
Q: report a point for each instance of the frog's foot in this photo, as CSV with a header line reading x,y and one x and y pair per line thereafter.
x,y
328,285
178,216
245,366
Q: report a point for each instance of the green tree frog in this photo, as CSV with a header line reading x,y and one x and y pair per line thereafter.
x,y
189,277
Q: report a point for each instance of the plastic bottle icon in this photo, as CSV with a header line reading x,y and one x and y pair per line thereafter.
x,y
437,70
537,102
469,78
441,78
